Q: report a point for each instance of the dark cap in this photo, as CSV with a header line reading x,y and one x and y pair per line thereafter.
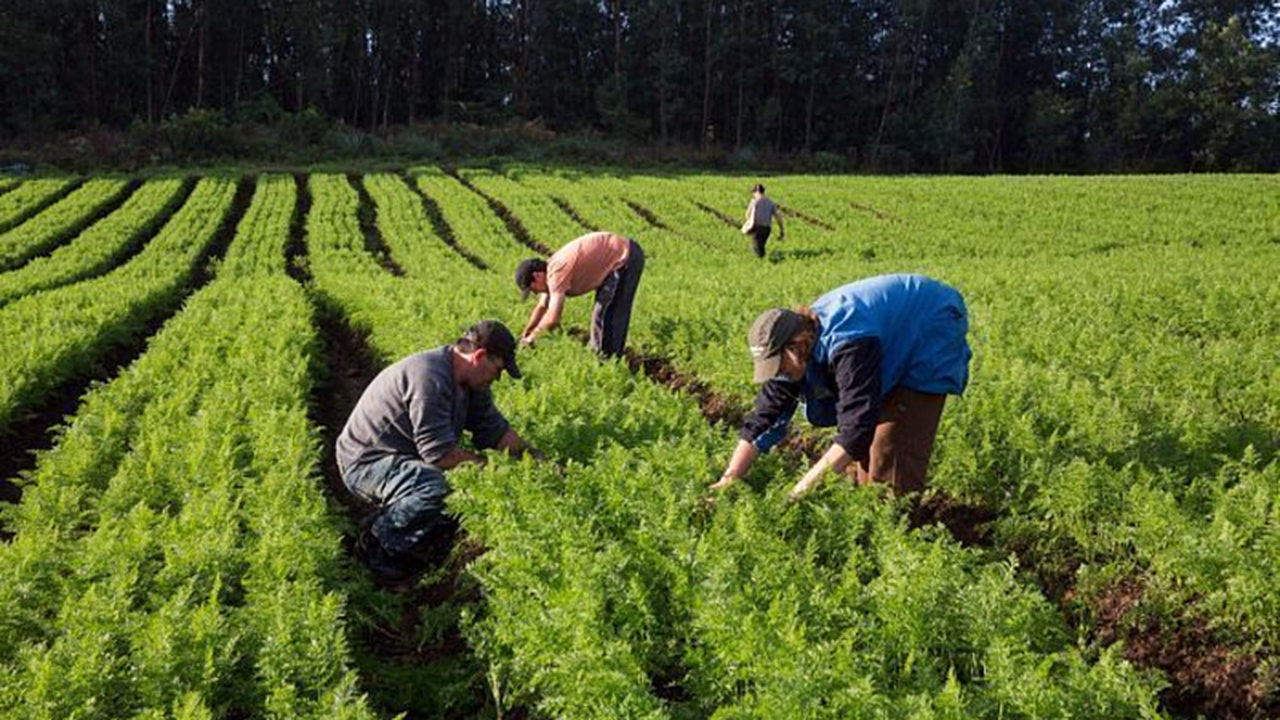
x,y
496,339
768,335
524,274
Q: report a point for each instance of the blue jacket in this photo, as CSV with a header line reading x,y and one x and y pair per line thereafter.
x,y
920,322
920,325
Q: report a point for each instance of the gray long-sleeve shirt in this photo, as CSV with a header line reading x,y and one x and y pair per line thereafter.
x,y
415,408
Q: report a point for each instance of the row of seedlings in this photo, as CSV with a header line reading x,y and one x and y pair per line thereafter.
x,y
102,245
60,221
596,572
174,553
53,336
29,198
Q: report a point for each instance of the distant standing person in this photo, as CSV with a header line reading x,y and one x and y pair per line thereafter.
x,y
759,221
609,264
875,358
405,432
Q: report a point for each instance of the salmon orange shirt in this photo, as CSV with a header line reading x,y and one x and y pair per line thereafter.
x,y
582,265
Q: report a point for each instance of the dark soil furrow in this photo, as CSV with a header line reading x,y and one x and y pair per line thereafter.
x,y
567,209
880,215
390,654
137,242
512,222
16,220
816,222
647,214
1206,677
442,226
38,428
295,252
373,242
717,214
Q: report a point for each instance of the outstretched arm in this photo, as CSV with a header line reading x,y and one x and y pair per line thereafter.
x,y
549,319
456,456
743,456
857,371
835,458
539,308
765,427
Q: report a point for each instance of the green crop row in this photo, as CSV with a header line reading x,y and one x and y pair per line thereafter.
x,y
18,204
542,219
474,225
611,592
58,221
1112,407
101,245
53,336
174,555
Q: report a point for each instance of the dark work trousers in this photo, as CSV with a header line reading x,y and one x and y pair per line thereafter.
x,y
759,236
409,496
611,316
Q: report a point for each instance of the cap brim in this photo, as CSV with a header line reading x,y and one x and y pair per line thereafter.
x,y
767,368
512,368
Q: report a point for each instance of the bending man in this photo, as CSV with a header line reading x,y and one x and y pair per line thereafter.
x,y
404,433
875,358
606,263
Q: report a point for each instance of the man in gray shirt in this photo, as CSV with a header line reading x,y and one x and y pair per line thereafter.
x,y
404,433
761,212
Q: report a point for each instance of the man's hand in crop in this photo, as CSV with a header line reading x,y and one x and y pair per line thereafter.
x,y
835,458
724,482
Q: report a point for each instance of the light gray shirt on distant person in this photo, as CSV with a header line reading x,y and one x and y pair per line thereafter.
x,y
415,408
761,211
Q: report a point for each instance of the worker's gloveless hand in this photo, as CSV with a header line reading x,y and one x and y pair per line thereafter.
x,y
724,482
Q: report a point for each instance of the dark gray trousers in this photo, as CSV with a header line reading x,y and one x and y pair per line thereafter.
x,y
611,316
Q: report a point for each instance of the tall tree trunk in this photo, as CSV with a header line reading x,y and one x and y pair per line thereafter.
x,y
239,77
777,79
808,112
742,75
617,41
199,10
705,127
522,67
663,78
151,106
888,103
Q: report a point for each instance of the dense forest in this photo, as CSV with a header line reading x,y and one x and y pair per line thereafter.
x,y
894,85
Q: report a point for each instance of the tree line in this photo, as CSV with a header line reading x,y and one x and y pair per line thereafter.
x,y
895,85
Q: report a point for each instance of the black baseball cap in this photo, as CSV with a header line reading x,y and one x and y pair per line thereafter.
x,y
496,339
524,274
771,332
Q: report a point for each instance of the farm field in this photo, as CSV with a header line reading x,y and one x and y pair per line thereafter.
x,y
1101,537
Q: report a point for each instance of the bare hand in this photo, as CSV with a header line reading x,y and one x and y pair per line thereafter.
x,y
724,482
801,489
